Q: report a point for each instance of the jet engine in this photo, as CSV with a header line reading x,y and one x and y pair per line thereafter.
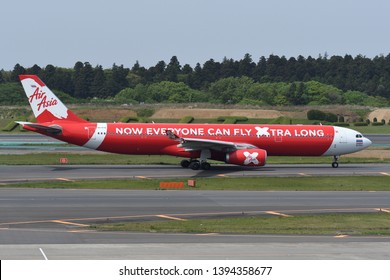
x,y
248,157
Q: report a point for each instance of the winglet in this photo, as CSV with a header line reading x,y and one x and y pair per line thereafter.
x,y
47,107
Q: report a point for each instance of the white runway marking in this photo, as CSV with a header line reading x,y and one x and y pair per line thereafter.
x,y
43,253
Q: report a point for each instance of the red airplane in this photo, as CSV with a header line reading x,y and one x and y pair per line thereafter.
x,y
245,145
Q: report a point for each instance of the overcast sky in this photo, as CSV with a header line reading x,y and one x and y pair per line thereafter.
x,y
123,31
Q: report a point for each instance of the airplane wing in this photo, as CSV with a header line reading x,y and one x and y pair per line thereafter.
x,y
52,129
193,144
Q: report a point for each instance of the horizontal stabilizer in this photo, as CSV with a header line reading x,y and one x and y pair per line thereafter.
x,y
52,129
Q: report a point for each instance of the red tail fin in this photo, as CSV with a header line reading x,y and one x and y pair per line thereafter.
x,y
44,103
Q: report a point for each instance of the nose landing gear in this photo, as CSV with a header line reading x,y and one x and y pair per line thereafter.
x,y
335,163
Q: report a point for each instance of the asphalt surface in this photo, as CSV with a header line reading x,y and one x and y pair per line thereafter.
x,y
56,221
25,173
379,139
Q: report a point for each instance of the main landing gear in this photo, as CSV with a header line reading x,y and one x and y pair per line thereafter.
x,y
335,164
195,164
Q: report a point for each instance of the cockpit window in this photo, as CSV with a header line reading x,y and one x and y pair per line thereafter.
x,y
359,136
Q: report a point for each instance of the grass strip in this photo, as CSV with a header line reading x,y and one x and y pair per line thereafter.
x,y
328,224
84,158
317,183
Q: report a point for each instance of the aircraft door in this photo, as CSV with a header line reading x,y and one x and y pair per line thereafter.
x,y
343,137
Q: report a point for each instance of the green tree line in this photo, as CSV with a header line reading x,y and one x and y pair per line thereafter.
x,y
274,80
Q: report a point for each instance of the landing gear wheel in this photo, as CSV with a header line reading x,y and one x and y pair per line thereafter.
x,y
335,164
205,165
194,165
185,163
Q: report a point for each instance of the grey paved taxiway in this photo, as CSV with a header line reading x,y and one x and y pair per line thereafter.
x,y
23,173
35,224
55,221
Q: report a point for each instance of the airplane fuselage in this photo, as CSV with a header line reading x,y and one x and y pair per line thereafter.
x,y
243,144
151,138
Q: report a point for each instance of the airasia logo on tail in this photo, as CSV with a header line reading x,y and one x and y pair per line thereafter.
x,y
41,99
45,104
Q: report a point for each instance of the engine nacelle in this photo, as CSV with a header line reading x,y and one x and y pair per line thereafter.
x,y
247,157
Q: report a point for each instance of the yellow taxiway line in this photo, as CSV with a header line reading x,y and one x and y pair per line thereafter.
x,y
171,218
69,223
277,214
